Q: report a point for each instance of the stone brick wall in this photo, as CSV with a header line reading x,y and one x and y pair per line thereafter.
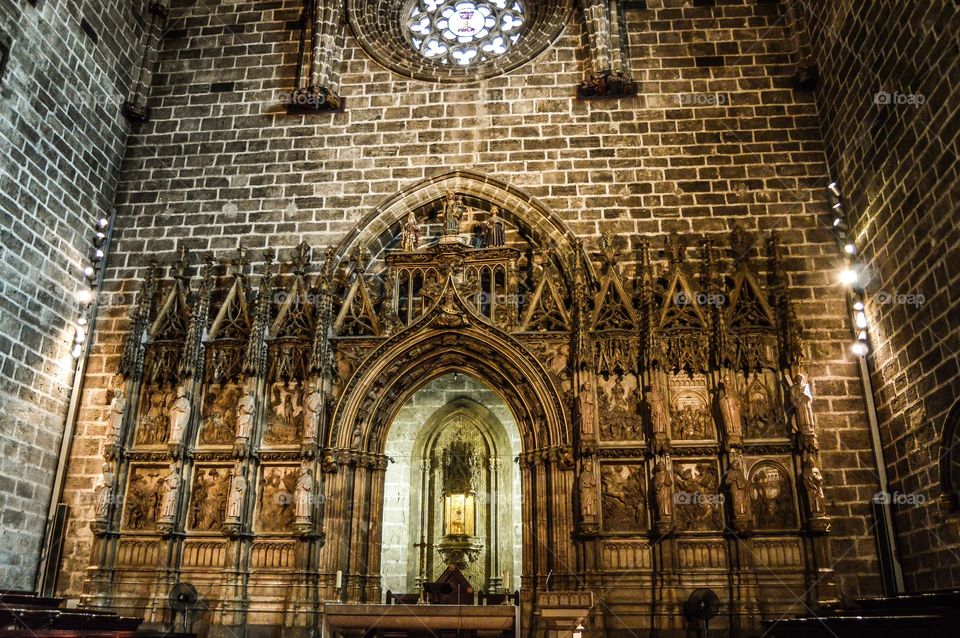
x,y
717,137
63,138
889,104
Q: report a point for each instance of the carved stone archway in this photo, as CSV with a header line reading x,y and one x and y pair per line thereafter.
x,y
448,338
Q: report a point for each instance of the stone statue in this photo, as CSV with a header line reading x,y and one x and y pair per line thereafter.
x,y
731,413
587,408
356,438
813,483
663,486
314,405
168,499
238,489
658,420
738,488
588,493
245,410
802,400
117,406
494,237
303,496
179,415
451,214
102,490
328,462
410,234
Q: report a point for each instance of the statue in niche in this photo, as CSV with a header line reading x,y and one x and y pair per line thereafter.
x,y
663,488
494,237
587,407
658,420
588,493
313,402
328,462
772,500
103,492
179,416
304,496
208,500
285,419
813,483
623,498
118,404
245,413
737,487
730,412
168,498
459,463
697,498
801,398
143,499
152,429
277,510
219,422
451,213
410,234
238,490
691,422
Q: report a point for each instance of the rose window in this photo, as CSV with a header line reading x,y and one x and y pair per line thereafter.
x,y
462,32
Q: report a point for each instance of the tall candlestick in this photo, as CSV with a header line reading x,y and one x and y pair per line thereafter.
x,y
339,579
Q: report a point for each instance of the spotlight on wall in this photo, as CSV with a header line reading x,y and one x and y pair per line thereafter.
x,y
860,348
849,276
834,188
85,296
850,248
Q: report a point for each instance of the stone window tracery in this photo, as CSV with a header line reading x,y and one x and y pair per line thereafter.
x,y
464,32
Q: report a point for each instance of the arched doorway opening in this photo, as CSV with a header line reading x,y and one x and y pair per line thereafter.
x,y
454,436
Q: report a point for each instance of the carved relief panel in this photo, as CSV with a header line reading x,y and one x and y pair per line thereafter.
x,y
218,418
285,414
208,498
619,403
690,416
772,496
143,498
763,412
623,498
698,502
153,417
276,510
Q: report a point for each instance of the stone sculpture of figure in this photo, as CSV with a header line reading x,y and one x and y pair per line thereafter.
x,y
314,405
802,400
102,490
356,438
168,500
813,482
410,234
731,413
245,411
238,489
738,488
179,415
587,408
117,406
663,486
303,496
588,492
494,236
658,418
452,213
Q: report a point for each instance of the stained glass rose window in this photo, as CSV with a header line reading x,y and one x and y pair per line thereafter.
x,y
462,32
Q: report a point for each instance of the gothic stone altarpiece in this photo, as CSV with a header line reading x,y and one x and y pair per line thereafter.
x,y
667,437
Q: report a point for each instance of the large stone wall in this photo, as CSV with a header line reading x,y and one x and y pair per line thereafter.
x,y
717,137
889,105
63,138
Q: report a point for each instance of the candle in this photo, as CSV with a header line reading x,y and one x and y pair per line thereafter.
x,y
506,581
339,579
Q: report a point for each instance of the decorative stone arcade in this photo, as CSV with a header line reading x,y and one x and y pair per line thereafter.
x,y
665,432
